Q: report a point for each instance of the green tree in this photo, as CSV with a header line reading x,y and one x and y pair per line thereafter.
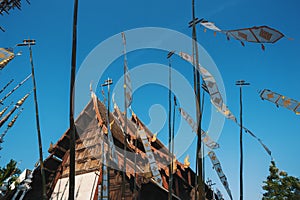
x,y
280,186
10,170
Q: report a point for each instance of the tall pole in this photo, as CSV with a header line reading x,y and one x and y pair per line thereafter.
x,y
107,83
6,85
197,88
241,83
30,43
204,87
172,139
170,129
72,93
125,118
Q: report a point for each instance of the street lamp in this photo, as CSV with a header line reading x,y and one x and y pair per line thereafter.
x,y
29,43
241,83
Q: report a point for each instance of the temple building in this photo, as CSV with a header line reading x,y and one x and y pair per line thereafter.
x,y
92,136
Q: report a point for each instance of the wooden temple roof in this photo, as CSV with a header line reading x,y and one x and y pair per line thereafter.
x,y
91,126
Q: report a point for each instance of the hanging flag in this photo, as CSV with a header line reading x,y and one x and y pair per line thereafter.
x,y
256,34
150,156
5,57
219,195
6,85
104,190
15,88
127,80
209,25
204,136
280,100
17,105
260,34
215,96
217,166
259,140
217,100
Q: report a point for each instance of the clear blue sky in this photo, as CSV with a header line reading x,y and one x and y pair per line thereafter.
x,y
277,69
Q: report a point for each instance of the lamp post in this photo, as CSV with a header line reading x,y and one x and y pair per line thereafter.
x,y
29,43
241,83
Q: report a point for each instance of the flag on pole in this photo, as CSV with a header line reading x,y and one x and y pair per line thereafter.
x,y
280,100
259,140
210,25
217,100
215,95
204,136
260,34
217,166
127,80
256,34
150,156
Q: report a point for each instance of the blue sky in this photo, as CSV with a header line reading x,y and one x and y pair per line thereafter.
x,y
276,68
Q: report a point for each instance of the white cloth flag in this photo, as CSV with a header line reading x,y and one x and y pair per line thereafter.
x,y
150,156
217,166
210,25
215,95
204,136
217,100
127,80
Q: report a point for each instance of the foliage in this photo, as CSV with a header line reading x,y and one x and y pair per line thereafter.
x,y
280,186
11,170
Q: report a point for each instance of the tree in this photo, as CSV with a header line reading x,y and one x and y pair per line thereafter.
x,y
11,170
280,186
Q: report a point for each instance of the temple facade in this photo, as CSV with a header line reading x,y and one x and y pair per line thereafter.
x,y
92,182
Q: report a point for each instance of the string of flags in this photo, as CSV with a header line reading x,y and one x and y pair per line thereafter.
x,y
216,97
204,136
217,166
211,145
280,100
150,156
127,80
256,34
